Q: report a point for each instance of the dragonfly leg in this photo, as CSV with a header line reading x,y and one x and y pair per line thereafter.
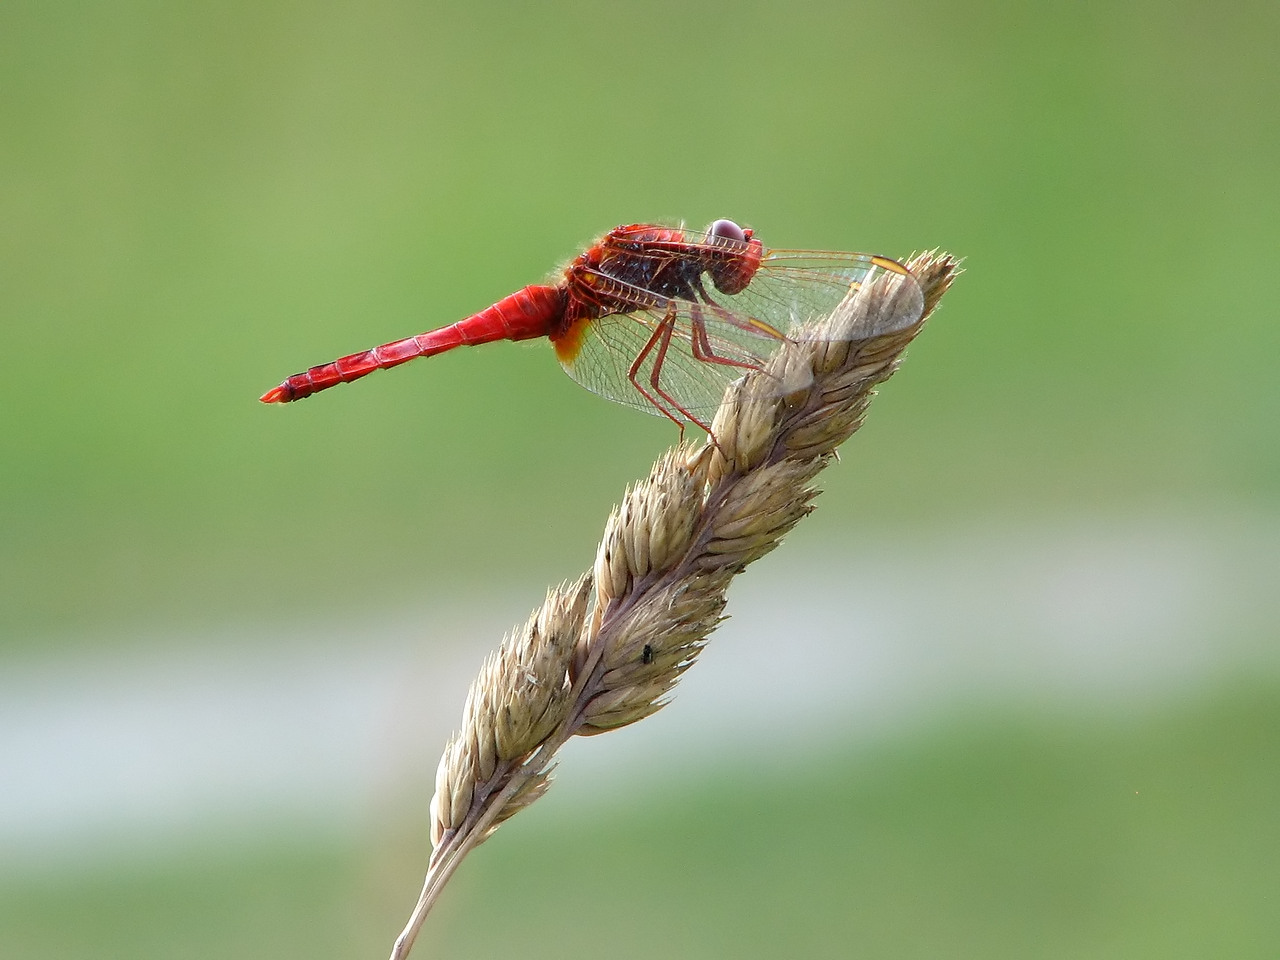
x,y
663,334
667,327
701,343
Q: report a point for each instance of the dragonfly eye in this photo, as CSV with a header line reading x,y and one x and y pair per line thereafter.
x,y
727,230
732,269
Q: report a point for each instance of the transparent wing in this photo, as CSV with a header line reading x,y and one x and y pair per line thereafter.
x,y
675,355
673,360
794,288
789,289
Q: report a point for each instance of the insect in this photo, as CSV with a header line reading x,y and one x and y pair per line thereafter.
x,y
655,317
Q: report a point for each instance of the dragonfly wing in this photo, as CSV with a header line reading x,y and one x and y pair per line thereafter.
x,y
672,340
796,291
677,357
793,291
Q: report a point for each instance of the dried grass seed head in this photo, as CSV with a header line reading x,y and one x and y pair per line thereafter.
x,y
668,555
651,529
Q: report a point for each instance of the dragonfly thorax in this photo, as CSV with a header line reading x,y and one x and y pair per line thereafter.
x,y
644,265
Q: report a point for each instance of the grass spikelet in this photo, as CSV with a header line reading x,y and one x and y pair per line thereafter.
x,y
607,650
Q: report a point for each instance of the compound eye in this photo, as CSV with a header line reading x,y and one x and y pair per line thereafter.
x,y
727,230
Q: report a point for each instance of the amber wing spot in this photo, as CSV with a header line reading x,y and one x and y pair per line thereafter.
x,y
569,343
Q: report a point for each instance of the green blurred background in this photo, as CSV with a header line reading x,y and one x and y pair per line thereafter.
x,y
198,200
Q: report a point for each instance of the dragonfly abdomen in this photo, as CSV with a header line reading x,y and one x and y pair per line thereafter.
x,y
531,312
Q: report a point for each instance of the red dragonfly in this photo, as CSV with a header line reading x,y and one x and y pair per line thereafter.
x,y
635,319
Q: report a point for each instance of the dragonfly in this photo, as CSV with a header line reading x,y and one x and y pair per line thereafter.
x,y
656,317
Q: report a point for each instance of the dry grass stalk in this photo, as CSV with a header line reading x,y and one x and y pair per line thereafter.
x,y
605,651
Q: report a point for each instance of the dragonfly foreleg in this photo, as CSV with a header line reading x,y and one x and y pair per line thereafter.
x,y
700,343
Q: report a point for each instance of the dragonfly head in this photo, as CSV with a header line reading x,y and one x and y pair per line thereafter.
x,y
727,230
733,270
